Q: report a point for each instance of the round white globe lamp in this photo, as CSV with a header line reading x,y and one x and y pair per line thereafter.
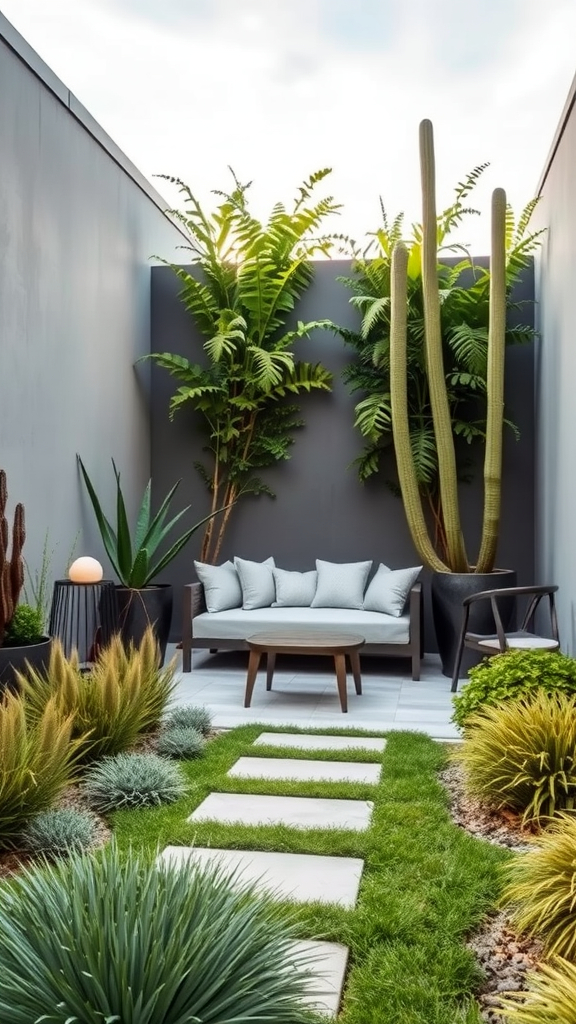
x,y
85,570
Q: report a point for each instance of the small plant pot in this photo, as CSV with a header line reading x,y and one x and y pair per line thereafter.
x,y
138,609
17,659
448,592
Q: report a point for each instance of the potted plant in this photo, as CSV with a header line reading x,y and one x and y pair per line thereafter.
x,y
134,559
22,639
454,575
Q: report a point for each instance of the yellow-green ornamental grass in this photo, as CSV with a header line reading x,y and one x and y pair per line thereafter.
x,y
521,755
551,998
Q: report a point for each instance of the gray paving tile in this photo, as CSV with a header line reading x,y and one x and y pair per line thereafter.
x,y
307,741
306,771
328,963
293,811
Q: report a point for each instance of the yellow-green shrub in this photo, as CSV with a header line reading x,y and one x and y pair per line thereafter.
x,y
37,761
522,755
542,888
550,999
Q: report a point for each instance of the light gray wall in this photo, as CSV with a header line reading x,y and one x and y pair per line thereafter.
x,y
556,375
78,224
321,510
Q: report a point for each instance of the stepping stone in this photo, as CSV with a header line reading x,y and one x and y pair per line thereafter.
x,y
306,741
300,877
294,811
328,962
306,771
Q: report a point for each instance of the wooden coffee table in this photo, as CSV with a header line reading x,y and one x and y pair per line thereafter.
x,y
286,641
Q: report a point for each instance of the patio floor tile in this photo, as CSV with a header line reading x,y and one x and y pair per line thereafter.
x,y
295,812
309,742
309,771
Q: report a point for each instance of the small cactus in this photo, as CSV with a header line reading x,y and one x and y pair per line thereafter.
x,y
11,569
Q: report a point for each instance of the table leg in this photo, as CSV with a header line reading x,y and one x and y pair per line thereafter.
x,y
355,663
270,664
340,666
253,663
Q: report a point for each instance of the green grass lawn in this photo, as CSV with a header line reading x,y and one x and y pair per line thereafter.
x,y
426,883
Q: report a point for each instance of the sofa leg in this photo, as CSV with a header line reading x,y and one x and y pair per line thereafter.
x,y
416,666
213,650
186,658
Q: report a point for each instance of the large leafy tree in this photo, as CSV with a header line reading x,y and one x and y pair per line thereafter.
x,y
246,279
464,311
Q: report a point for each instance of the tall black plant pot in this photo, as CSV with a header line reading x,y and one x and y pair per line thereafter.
x,y
13,659
448,591
138,609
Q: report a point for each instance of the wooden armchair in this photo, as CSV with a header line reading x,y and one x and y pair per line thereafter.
x,y
524,638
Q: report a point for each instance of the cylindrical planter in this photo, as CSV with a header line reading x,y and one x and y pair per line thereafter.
x,y
15,659
138,609
448,592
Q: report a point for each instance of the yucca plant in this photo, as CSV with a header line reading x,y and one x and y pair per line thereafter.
x,y
521,755
37,760
133,557
246,279
464,320
112,938
541,887
550,999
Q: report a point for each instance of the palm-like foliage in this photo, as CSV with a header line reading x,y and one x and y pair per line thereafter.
x,y
464,294
247,277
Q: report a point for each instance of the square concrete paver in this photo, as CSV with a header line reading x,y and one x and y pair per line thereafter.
x,y
308,742
305,771
328,963
300,877
293,811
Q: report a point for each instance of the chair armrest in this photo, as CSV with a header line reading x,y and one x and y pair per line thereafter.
x,y
415,609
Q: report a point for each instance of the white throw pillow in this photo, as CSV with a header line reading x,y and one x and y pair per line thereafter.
x,y
257,582
294,589
340,584
388,591
221,586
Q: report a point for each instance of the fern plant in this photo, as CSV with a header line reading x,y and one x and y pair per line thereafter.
x,y
246,279
464,292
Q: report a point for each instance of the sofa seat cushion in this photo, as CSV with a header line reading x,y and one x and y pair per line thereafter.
x,y
238,624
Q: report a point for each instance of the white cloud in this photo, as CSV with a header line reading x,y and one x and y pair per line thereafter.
x,y
278,88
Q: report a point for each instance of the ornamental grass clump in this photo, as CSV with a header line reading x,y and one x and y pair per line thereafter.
x,y
189,716
181,742
37,761
542,889
59,831
521,755
550,999
133,780
112,938
514,674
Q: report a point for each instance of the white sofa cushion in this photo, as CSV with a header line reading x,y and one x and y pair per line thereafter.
x,y
257,582
294,589
221,586
388,591
340,584
238,624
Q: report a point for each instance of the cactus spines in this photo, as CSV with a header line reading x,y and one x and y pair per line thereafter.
x,y
11,569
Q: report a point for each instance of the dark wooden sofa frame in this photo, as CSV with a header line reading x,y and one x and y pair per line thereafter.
x,y
194,604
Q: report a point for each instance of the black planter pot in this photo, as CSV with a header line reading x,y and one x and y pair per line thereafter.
x,y
138,609
448,591
13,659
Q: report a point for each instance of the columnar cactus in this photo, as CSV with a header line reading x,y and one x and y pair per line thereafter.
x,y
457,559
11,569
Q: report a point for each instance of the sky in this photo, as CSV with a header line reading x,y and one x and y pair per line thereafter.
x,y
280,88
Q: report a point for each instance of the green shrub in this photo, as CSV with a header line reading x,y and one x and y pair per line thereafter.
x,y
550,999
25,627
542,888
36,762
133,780
59,831
110,938
522,755
181,742
511,675
188,716
124,694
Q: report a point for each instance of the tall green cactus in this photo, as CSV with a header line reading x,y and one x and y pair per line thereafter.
x,y
11,569
457,560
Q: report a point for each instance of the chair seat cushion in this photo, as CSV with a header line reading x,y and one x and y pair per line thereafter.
x,y
520,641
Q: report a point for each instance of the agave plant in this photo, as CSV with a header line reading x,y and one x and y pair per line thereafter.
x,y
247,277
132,558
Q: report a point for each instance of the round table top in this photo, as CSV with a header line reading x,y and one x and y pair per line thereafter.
x,y
295,638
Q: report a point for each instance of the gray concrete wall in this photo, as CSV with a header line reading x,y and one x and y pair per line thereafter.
x,y
556,374
78,225
321,510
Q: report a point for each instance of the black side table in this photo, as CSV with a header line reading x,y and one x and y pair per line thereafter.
x,y
84,616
